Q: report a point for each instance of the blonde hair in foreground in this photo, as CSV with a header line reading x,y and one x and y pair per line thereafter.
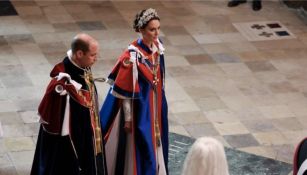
x,y
206,157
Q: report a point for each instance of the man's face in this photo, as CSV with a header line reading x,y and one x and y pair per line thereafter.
x,y
89,58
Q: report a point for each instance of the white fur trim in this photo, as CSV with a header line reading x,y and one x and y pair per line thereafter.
x,y
161,48
60,89
69,54
65,126
303,168
73,82
133,59
1,131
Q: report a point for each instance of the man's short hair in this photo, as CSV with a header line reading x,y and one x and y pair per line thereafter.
x,y
79,44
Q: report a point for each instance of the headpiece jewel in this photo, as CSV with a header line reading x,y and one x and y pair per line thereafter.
x,y
147,16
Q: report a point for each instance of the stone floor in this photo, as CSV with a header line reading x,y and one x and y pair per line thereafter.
x,y
239,162
251,95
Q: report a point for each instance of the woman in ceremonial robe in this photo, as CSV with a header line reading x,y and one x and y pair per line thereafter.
x,y
134,113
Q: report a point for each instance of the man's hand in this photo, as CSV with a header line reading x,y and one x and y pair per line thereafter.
x,y
128,126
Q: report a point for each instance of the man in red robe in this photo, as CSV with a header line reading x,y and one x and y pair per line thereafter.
x,y
70,140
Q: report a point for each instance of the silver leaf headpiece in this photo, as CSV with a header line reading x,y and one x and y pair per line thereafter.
x,y
146,17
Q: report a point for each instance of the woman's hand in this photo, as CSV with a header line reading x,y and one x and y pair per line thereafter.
x,y
128,126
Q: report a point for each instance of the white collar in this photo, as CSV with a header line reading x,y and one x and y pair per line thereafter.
x,y
69,55
154,48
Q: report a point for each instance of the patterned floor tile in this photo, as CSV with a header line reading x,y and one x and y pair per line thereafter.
x,y
225,58
241,140
207,39
8,170
120,24
13,25
8,118
199,92
19,144
182,40
271,77
189,49
21,157
235,69
258,66
181,71
29,116
183,106
94,25
255,126
251,56
3,41
221,116
284,152
199,59
170,31
276,111
231,128
29,10
186,118
199,130
270,138
231,37
19,39
23,169
65,27
287,124
282,87
239,47
24,3
210,103
264,30
294,137
216,48
176,61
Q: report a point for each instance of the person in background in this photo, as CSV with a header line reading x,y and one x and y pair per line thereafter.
x,y
206,157
256,4
300,158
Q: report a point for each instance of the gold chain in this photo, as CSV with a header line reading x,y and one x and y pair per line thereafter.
x,y
155,83
94,110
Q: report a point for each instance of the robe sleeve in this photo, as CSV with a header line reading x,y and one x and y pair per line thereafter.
x,y
51,108
124,77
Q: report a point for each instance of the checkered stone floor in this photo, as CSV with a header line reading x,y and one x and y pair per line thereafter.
x,y
250,95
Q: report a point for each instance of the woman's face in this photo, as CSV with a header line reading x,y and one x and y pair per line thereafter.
x,y
151,32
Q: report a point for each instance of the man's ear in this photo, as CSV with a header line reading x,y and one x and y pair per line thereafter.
x,y
79,53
